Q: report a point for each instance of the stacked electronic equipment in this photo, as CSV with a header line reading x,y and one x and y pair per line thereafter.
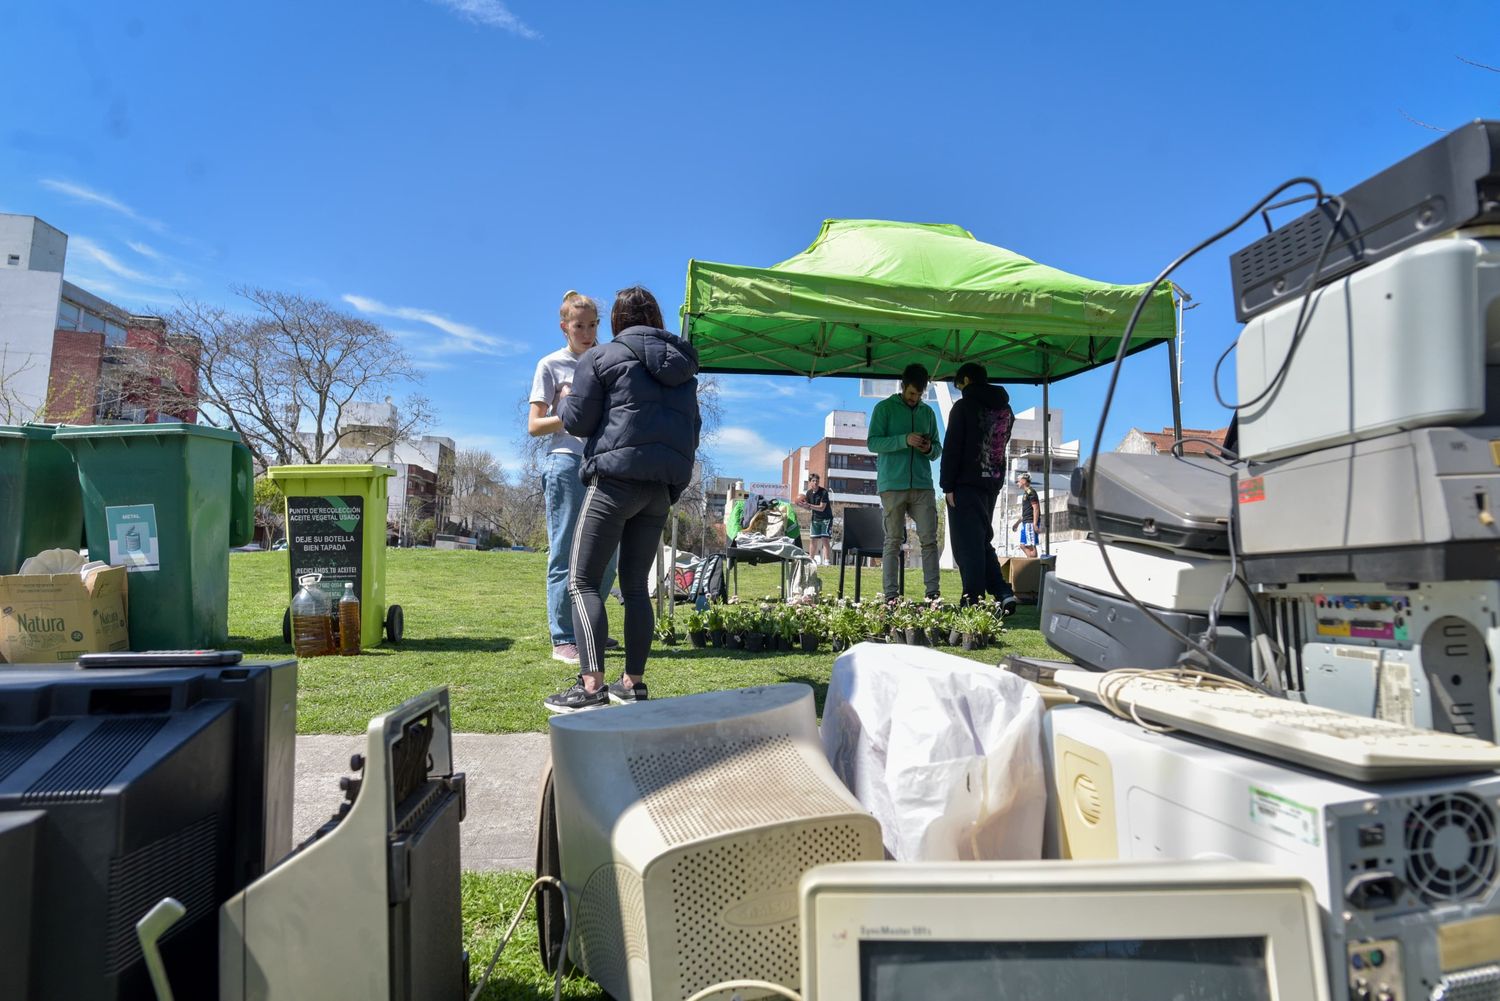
x,y
1364,516
1361,509
1164,523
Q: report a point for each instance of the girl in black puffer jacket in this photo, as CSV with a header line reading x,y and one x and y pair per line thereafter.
x,y
634,401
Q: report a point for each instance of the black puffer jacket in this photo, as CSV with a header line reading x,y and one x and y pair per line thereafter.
x,y
979,428
635,403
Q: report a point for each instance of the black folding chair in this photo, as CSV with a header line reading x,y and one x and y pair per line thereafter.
x,y
864,536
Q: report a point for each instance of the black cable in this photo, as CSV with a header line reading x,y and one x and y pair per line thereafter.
x,y
1109,394
1297,330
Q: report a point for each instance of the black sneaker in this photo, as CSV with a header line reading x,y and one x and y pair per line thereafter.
x,y
576,698
1008,606
619,693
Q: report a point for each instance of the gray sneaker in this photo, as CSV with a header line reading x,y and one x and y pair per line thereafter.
x,y
619,693
576,698
566,652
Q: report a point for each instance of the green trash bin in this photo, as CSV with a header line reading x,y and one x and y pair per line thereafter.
x,y
41,506
335,526
167,501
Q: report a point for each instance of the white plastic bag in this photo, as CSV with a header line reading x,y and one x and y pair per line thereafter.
x,y
945,752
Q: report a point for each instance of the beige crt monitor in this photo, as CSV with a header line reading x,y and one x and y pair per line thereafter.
x,y
1127,931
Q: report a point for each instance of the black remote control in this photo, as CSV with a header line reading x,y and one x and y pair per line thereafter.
x,y
162,658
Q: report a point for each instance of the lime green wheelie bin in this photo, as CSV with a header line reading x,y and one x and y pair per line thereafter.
x,y
41,506
167,501
335,526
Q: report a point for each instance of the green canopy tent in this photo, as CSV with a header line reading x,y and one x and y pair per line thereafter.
x,y
870,297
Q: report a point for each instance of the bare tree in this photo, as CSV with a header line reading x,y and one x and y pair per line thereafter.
x,y
477,477
15,407
294,363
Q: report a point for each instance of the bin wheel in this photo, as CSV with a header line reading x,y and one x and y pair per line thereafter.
x,y
286,626
395,623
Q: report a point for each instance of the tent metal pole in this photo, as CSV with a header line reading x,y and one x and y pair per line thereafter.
x,y
672,572
1046,468
1176,390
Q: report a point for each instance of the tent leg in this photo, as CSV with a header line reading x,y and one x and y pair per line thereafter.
x,y
1176,391
1046,470
672,585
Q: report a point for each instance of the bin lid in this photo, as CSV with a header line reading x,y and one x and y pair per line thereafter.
x,y
144,431
32,432
326,472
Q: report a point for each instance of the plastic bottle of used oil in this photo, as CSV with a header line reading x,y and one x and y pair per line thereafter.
x,y
312,619
349,621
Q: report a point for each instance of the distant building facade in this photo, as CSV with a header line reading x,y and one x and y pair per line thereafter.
x,y
67,355
1140,442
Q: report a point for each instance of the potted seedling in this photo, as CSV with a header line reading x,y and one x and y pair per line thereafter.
x,y
666,630
913,624
697,628
786,628
754,631
810,626
713,621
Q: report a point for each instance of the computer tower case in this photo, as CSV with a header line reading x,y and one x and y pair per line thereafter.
x,y
1405,871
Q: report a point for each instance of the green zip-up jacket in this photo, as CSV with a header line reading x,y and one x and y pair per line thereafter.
x,y
898,466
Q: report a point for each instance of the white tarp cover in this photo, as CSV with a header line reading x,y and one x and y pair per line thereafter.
x,y
945,752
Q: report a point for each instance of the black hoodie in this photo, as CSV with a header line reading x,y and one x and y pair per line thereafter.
x,y
635,403
978,432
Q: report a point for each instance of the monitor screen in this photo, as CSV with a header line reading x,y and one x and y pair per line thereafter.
x,y
1059,931
1183,969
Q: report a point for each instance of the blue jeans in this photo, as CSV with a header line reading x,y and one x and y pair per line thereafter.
x,y
563,491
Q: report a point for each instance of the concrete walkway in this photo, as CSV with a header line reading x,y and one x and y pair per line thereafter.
x,y
504,774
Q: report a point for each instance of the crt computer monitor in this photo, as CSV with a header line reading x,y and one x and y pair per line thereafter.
x,y
1128,931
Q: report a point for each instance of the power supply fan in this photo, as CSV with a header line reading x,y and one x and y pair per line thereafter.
x,y
1450,848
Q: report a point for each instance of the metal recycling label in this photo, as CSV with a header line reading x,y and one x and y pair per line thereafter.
x,y
133,540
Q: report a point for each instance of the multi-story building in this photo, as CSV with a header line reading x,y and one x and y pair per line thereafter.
x,y
67,355
841,458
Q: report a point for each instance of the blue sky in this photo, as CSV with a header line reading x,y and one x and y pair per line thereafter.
x,y
451,167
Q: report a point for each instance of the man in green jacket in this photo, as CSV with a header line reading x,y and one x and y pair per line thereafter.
x,y
904,438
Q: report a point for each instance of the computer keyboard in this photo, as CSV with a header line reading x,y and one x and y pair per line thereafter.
x,y
1325,740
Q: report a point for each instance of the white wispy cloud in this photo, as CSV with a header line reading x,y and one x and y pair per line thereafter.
x,y
490,14
461,338
80,193
110,262
145,250
740,446
90,250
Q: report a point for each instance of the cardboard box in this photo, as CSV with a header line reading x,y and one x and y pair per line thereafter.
x,y
1025,575
45,618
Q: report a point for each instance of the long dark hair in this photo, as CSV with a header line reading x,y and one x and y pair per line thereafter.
x,y
634,307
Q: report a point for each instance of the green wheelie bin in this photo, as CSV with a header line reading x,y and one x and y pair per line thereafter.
x,y
167,501
335,526
41,506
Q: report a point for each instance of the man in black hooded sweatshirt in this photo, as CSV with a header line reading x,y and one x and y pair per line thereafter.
x,y
634,402
971,477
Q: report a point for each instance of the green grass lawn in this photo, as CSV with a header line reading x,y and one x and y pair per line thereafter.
x,y
477,622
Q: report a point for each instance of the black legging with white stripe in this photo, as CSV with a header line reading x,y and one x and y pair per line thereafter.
x,y
628,514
